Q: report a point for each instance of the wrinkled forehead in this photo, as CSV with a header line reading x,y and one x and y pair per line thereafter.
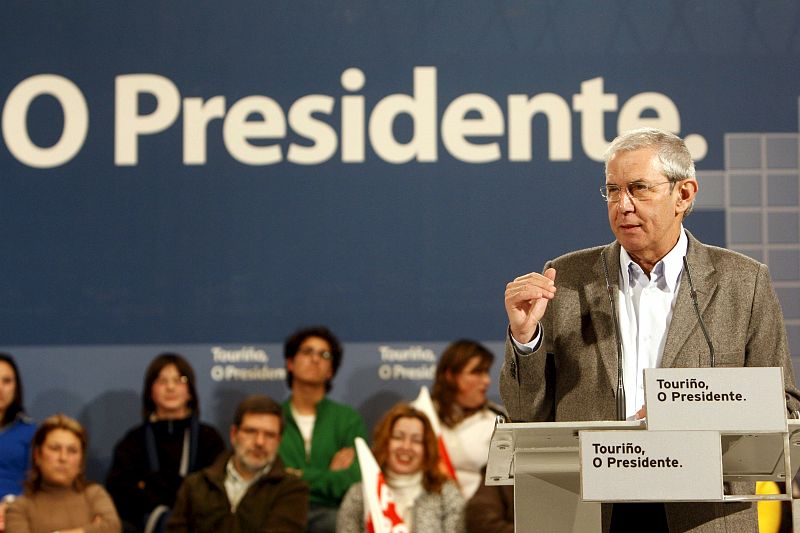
x,y
627,166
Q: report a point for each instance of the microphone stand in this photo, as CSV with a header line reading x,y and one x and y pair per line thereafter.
x,y
693,294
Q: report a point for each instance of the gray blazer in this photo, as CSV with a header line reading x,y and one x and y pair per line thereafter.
x,y
573,374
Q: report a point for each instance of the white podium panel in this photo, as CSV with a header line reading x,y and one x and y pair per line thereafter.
x,y
730,400
646,466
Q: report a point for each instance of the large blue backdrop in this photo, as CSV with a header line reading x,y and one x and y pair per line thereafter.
x,y
205,177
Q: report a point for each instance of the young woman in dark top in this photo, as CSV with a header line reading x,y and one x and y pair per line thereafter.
x,y
152,459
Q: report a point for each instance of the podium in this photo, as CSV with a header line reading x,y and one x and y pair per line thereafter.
x,y
560,478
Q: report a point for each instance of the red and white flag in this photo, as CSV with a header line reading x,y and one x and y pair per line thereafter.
x,y
425,404
380,510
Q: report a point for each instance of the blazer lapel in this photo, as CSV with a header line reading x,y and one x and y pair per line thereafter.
x,y
684,318
600,308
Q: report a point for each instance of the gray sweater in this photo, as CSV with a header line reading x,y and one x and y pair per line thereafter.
x,y
432,512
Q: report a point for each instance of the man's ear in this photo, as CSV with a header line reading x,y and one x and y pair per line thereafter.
x,y
687,191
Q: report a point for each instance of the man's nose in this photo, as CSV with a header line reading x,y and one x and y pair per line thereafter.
x,y
625,203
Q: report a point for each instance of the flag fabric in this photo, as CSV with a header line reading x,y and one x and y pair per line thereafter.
x,y
424,403
380,510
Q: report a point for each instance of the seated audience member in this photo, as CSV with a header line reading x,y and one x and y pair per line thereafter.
x,y
16,432
491,509
249,489
318,442
466,415
406,449
57,497
152,459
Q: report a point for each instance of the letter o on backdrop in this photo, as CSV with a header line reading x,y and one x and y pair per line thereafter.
x,y
15,115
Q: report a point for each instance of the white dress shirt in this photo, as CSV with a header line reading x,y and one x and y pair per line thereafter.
x,y
645,305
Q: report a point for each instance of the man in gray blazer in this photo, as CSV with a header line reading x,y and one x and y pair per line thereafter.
x,y
561,352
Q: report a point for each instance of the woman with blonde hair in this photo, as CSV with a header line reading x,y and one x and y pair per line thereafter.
x,y
57,496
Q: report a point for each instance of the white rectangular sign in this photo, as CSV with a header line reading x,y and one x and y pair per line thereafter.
x,y
736,400
651,466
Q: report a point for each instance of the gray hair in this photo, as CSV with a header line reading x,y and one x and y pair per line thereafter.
x,y
671,150
676,161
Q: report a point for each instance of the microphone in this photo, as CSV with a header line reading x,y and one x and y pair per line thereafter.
x,y
621,411
693,293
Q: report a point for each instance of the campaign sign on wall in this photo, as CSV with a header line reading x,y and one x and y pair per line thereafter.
x,y
177,175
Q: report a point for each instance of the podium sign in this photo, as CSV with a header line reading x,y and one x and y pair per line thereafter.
x,y
735,400
651,466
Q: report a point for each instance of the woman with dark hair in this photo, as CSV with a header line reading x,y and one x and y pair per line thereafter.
x,y
16,431
152,459
406,449
57,496
466,415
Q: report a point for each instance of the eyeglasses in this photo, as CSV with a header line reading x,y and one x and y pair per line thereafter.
x,y
638,190
177,380
309,351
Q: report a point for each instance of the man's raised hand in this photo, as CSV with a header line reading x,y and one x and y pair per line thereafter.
x,y
526,300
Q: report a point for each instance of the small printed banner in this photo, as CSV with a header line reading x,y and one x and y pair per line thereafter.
x,y
737,400
380,511
651,466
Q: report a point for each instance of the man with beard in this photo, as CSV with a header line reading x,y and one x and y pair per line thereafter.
x,y
248,489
